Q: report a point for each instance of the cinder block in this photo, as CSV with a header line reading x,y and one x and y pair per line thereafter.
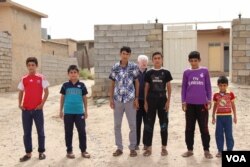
x,y
149,26
244,59
138,26
122,33
248,53
127,27
239,53
104,27
103,39
151,37
239,27
144,44
116,27
239,41
144,32
244,34
244,72
236,34
238,66
118,39
100,33
247,27
248,66
133,33
128,39
140,38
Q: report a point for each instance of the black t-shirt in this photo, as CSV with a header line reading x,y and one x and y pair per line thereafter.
x,y
157,80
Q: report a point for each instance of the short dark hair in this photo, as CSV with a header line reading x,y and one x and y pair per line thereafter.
x,y
126,49
157,53
222,80
32,59
73,67
194,55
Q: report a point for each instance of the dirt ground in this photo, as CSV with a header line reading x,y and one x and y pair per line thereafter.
x,y
100,135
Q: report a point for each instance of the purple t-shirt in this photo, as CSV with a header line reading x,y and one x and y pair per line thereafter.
x,y
196,86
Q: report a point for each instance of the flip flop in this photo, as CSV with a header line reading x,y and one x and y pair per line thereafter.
x,y
208,155
147,153
187,154
85,155
42,156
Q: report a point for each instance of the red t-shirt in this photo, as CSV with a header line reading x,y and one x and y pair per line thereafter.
x,y
224,103
33,86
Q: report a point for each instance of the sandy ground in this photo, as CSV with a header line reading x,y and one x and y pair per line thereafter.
x,y
100,135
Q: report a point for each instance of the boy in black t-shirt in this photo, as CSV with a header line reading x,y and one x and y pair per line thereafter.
x,y
157,85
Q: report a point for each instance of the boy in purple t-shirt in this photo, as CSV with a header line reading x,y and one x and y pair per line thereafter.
x,y
196,101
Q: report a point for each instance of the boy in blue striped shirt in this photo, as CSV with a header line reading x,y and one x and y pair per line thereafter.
x,y
73,110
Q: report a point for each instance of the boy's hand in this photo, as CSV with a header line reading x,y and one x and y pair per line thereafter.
x,y
136,103
86,115
61,114
146,106
39,107
213,120
21,107
235,120
184,107
209,105
112,105
167,105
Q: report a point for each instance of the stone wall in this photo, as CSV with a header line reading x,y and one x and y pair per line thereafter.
x,y
55,68
241,51
5,62
142,38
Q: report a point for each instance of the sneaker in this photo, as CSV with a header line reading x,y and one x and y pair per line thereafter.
x,y
117,153
187,154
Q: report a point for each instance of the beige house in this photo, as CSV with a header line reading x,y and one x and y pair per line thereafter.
x,y
24,25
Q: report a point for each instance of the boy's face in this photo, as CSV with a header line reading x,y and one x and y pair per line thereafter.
x,y
124,56
223,87
143,64
194,62
157,60
31,66
73,75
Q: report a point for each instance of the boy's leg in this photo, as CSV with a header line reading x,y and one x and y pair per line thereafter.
x,y
149,126
39,122
163,120
68,127
131,117
27,128
144,117
202,116
139,115
118,115
219,133
229,133
80,125
190,126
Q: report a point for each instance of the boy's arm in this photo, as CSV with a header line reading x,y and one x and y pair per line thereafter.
x,y
111,93
85,102
234,112
213,115
137,84
146,88
208,90
45,96
20,100
61,106
169,91
183,92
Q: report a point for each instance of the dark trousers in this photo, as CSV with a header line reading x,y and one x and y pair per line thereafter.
x,y
79,121
156,104
199,113
27,118
140,115
224,125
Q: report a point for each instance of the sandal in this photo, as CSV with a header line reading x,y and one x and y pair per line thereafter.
x,y
208,155
187,154
145,148
164,152
85,155
42,156
133,153
25,158
117,153
70,155
218,155
147,153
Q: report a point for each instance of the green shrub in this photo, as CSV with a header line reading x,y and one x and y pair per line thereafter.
x,y
85,74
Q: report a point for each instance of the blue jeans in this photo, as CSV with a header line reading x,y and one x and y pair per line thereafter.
x,y
224,125
27,118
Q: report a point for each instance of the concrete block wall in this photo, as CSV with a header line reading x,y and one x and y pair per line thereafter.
x,y
142,38
5,62
241,51
55,68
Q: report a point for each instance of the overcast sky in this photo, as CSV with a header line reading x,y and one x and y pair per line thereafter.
x,y
76,18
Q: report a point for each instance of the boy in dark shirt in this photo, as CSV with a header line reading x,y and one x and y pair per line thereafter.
x,y
157,98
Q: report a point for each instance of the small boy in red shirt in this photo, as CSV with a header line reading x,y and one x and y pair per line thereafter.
x,y
223,108
31,101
